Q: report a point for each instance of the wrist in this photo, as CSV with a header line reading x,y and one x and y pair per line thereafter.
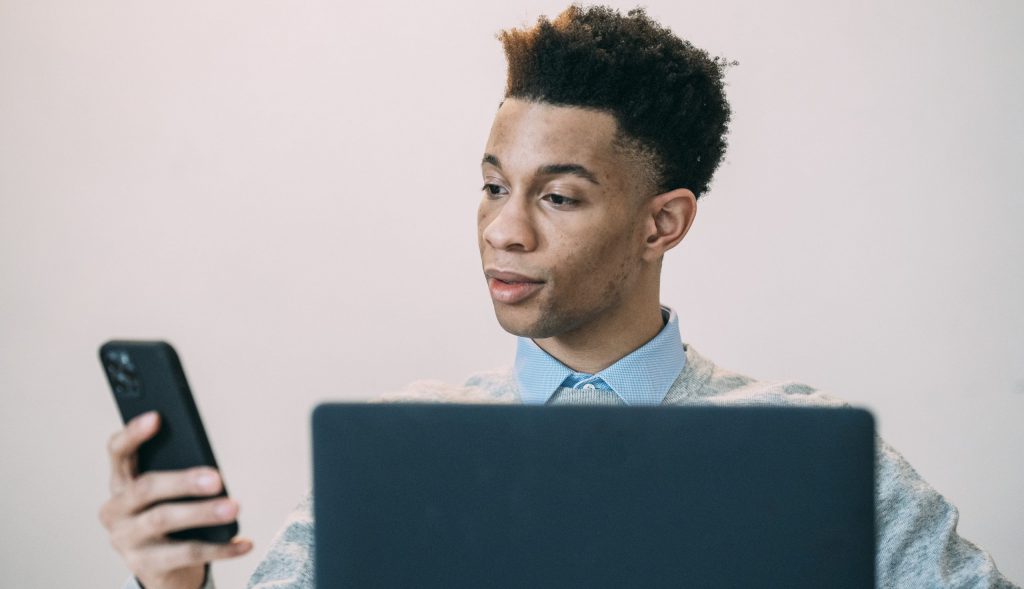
x,y
181,580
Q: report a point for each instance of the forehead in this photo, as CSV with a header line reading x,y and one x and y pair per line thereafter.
x,y
526,135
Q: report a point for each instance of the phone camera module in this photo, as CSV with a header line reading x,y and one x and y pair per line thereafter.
x,y
121,371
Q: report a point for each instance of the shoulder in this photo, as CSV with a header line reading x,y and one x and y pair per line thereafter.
x,y
497,386
705,383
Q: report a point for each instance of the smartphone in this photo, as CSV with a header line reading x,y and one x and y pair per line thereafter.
x,y
148,376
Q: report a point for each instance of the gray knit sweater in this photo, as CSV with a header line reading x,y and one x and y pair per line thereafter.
x,y
917,542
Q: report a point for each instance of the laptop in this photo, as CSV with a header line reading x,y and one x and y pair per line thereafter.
x,y
509,496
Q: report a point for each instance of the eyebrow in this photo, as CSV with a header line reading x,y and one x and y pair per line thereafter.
x,y
550,169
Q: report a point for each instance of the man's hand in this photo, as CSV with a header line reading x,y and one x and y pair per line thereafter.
x,y
138,528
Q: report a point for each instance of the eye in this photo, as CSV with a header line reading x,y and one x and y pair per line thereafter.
x,y
493,190
561,201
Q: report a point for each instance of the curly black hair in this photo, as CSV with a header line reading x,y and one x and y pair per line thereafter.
x,y
667,96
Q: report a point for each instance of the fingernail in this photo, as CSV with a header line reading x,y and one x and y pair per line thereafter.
x,y
206,481
225,510
146,420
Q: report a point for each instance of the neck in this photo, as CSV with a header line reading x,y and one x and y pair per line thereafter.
x,y
597,345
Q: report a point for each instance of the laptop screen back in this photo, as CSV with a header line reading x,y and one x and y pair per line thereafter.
x,y
419,495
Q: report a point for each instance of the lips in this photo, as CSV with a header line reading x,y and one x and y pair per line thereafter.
x,y
511,287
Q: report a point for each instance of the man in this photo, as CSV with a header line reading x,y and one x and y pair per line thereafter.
x,y
610,131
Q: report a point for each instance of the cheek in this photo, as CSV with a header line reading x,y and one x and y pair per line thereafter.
x,y
590,261
612,259
617,276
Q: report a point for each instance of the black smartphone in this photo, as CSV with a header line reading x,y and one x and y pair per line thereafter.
x,y
148,376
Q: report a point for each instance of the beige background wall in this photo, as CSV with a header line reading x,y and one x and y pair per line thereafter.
x,y
286,191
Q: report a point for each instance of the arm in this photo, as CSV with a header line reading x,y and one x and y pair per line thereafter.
x,y
133,583
918,545
288,563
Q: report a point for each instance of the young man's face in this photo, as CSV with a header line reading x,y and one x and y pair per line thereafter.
x,y
559,224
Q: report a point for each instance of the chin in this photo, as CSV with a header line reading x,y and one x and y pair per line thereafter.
x,y
526,322
513,323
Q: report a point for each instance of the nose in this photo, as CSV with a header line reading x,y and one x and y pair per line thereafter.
x,y
508,225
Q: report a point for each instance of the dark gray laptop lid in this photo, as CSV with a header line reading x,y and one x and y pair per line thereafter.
x,y
420,495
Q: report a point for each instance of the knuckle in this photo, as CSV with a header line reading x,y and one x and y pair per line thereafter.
x,y
142,490
114,444
156,520
110,514
119,540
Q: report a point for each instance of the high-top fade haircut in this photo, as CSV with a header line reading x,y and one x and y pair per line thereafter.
x,y
666,95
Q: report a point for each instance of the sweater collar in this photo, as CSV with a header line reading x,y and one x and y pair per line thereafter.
x,y
642,377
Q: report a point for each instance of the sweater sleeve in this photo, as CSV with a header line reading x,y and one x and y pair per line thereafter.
x,y
918,544
288,563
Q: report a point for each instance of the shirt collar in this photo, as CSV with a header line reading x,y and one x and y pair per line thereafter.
x,y
642,377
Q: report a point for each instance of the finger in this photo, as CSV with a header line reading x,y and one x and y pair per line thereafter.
x,y
156,522
152,487
124,445
168,556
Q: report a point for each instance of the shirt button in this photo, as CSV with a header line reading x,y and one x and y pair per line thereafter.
x,y
588,387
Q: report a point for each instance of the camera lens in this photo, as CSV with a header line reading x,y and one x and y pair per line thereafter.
x,y
121,371
120,358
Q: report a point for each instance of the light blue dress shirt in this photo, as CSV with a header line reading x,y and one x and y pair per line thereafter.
x,y
642,377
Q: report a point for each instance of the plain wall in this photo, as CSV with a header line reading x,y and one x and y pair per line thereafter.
x,y
287,192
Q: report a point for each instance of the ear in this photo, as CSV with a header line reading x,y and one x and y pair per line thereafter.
x,y
668,218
